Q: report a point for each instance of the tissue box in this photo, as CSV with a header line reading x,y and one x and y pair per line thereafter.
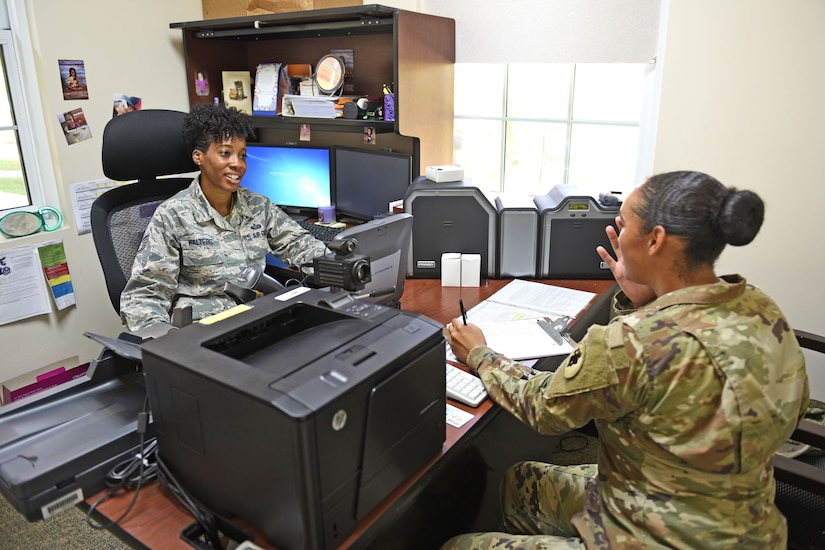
x,y
441,174
42,379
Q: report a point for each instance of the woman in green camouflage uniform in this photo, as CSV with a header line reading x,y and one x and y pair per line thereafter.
x,y
692,393
207,234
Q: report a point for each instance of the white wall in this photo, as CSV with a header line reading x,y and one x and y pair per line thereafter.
x,y
127,48
742,99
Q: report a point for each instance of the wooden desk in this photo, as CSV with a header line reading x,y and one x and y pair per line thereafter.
x,y
157,518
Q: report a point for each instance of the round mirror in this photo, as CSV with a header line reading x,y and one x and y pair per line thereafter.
x,y
329,74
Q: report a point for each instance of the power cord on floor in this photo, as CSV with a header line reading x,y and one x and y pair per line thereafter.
x,y
202,515
130,473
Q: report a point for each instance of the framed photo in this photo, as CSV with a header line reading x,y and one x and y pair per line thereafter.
x,y
237,91
201,83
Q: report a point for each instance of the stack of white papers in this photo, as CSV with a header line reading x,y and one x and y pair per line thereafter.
x,y
509,318
312,106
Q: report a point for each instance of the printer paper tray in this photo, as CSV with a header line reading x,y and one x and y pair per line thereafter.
x,y
57,446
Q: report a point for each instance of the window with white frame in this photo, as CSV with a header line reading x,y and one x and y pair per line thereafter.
x,y
14,188
524,128
27,176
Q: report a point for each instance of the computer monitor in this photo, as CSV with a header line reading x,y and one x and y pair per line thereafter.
x,y
366,182
296,178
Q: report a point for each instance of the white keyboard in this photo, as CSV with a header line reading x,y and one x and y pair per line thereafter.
x,y
465,387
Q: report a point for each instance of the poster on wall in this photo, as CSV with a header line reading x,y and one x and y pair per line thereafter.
x,y
73,78
74,125
124,103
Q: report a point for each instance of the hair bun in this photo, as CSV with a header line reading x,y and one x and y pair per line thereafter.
x,y
740,217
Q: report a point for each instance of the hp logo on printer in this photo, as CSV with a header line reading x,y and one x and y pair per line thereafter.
x,y
339,420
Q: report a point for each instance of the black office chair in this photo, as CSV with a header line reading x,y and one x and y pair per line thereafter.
x,y
140,145
800,481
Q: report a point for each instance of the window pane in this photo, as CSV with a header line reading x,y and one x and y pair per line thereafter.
x,y
477,149
479,89
603,158
608,92
13,190
534,160
539,90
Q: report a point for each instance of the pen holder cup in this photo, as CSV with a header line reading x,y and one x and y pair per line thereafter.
x,y
389,107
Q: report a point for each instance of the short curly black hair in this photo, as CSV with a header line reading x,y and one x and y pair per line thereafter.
x,y
214,123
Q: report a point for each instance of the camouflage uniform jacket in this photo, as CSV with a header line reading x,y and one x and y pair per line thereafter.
x,y
189,251
692,395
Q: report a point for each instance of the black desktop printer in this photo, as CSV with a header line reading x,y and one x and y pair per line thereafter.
x,y
301,413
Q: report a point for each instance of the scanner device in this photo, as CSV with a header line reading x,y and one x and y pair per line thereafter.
x,y
249,283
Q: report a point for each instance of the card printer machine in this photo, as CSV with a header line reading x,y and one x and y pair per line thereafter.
x,y
300,414
571,226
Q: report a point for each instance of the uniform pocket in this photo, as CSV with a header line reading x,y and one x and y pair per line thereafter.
x,y
199,252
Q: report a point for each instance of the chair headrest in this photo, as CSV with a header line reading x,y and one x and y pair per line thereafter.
x,y
145,144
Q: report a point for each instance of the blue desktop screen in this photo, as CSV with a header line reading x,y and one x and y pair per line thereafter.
x,y
290,176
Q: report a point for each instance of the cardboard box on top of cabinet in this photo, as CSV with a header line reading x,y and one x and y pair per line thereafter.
x,y
221,9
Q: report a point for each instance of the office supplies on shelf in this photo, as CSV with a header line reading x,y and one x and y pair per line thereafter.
x,y
271,84
315,106
464,387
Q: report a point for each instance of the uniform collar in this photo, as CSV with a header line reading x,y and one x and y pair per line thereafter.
x,y
207,212
724,289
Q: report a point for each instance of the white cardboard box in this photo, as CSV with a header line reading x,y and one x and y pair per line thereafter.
x,y
470,269
445,173
451,269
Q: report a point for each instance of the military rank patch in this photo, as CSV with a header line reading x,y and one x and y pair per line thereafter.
x,y
575,362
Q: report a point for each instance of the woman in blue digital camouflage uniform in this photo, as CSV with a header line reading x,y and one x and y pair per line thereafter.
x,y
692,392
208,233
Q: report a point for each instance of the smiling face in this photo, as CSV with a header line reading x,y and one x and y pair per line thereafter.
x,y
222,167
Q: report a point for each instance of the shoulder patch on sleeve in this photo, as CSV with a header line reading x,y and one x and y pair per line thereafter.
x,y
574,363
585,369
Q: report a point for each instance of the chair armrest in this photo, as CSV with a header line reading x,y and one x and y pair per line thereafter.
x,y
810,433
809,340
799,474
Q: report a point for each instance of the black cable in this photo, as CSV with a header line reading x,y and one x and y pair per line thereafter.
x,y
201,514
124,472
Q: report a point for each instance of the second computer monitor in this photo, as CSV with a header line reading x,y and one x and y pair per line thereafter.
x,y
366,182
298,179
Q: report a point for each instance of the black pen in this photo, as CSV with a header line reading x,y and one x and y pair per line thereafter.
x,y
463,311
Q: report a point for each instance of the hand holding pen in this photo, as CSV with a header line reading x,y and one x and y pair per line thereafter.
x,y
463,336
